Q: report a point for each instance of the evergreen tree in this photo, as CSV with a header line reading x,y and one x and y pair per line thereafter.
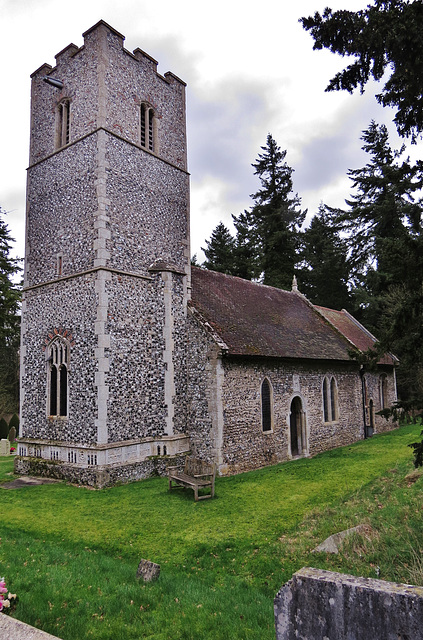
x,y
325,274
384,232
384,38
246,252
274,220
220,250
9,323
384,215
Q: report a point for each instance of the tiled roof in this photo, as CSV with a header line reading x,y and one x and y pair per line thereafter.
x,y
254,319
354,331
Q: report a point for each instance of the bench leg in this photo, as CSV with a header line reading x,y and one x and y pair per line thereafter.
x,y
196,493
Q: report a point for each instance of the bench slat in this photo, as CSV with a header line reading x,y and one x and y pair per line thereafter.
x,y
197,474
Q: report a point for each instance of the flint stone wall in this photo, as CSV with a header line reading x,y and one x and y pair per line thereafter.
x,y
225,404
322,605
97,476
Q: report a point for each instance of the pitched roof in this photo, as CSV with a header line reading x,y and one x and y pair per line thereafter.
x,y
354,331
254,319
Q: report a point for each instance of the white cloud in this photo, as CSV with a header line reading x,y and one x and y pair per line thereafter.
x,y
250,70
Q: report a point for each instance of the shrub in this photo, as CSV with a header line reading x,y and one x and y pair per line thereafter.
x,y
4,429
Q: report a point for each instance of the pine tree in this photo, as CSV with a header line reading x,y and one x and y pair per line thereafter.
x,y
384,229
246,251
276,217
9,323
384,214
325,275
385,40
220,250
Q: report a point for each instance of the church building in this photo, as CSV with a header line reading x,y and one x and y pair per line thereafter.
x,y
130,357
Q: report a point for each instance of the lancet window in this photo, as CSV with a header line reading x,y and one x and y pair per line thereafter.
x,y
57,373
266,405
330,399
147,127
63,124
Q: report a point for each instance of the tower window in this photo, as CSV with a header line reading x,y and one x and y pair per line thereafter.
x,y
57,377
147,127
63,124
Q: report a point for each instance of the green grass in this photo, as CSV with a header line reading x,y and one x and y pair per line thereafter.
x,y
71,554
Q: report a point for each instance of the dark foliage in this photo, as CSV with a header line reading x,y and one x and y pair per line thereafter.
x,y
418,452
9,323
326,271
385,37
220,250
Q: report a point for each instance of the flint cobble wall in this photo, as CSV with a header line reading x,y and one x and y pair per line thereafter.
x,y
115,83
60,307
135,380
225,405
148,209
246,446
60,213
201,410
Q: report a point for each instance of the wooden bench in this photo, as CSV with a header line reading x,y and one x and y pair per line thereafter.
x,y
197,474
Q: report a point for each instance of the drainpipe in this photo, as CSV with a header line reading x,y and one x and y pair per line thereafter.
x,y
363,399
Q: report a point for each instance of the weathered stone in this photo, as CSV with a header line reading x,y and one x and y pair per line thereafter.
x,y
148,570
334,542
11,629
12,435
322,605
4,447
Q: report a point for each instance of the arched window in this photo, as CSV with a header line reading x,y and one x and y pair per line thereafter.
x,y
266,405
63,123
57,374
325,400
147,125
383,390
330,399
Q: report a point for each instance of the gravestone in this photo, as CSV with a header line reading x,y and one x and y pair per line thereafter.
x,y
4,447
148,570
12,435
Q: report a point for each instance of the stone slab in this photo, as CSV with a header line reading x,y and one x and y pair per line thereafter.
x,y
4,447
148,570
333,543
323,605
11,629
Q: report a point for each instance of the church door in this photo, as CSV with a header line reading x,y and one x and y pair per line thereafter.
x,y
297,428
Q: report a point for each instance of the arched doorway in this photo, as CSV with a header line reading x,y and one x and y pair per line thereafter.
x,y
297,424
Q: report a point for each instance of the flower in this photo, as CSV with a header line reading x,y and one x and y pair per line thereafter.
x,y
7,604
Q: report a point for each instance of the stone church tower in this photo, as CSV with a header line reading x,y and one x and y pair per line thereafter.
x,y
107,268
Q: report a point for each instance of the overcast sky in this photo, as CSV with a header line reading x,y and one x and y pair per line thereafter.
x,y
250,70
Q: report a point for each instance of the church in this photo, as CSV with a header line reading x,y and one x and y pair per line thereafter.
x,y
131,358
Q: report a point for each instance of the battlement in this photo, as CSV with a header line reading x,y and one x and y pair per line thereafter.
x,y
138,104
138,54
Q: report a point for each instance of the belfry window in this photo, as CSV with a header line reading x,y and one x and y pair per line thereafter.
x,y
147,127
57,377
330,400
266,405
63,124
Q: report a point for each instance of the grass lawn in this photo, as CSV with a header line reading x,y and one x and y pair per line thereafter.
x,y
71,554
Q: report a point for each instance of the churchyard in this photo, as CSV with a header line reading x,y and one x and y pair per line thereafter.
x,y
71,554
